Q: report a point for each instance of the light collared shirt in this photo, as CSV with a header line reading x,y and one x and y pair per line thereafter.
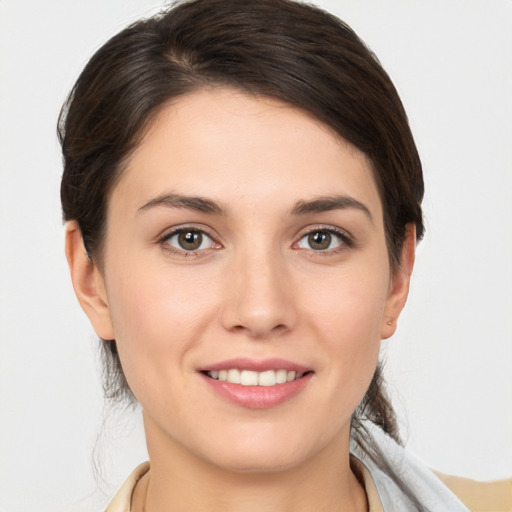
x,y
391,493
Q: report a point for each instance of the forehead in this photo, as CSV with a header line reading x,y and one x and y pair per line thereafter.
x,y
230,146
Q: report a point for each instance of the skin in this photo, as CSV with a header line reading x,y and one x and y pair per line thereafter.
x,y
259,289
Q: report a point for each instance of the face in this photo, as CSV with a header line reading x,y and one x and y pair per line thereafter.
x,y
246,281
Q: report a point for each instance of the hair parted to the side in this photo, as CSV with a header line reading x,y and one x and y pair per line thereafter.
x,y
281,49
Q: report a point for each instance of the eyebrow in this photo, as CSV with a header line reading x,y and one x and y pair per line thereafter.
x,y
196,203
205,205
328,203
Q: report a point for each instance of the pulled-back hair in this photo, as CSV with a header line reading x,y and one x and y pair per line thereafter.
x,y
281,49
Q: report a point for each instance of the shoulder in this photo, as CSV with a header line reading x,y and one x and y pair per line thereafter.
x,y
402,478
122,500
493,496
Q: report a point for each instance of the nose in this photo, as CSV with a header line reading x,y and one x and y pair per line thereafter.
x,y
259,295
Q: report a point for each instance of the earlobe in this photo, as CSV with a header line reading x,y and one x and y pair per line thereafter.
x,y
88,283
399,285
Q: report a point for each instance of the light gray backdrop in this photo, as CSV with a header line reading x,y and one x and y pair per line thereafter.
x,y
450,364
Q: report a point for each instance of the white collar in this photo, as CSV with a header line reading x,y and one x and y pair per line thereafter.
x,y
409,476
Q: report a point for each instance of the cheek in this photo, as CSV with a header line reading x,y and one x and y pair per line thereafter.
x,y
152,298
350,303
346,317
157,317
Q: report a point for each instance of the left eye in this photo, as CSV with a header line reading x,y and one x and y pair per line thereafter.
x,y
189,240
321,240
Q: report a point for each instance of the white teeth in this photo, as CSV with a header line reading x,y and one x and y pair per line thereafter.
x,y
248,378
267,378
251,378
281,376
234,376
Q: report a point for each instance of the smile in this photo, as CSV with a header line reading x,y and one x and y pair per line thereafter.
x,y
252,378
256,384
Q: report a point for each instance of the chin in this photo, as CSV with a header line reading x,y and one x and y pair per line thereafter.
x,y
260,453
244,462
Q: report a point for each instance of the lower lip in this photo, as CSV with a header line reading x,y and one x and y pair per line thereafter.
x,y
258,397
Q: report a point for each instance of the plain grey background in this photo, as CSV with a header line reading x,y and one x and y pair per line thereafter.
x,y
450,364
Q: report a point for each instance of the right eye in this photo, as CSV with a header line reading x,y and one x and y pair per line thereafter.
x,y
189,240
321,240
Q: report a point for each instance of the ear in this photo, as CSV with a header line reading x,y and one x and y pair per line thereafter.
x,y
399,284
88,283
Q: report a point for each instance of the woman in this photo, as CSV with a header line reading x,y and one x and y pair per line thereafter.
x,y
243,197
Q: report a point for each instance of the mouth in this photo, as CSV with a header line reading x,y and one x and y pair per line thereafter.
x,y
257,389
267,378
256,384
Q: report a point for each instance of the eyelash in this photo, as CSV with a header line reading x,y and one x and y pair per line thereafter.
x,y
163,241
346,241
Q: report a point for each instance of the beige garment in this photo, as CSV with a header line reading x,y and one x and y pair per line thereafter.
x,y
480,496
477,496
123,499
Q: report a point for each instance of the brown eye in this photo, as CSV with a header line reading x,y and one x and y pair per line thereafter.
x,y
189,240
321,240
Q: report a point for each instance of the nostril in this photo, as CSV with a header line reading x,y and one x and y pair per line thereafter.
x,y
257,314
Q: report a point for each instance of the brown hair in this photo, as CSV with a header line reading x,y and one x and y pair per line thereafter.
x,y
282,49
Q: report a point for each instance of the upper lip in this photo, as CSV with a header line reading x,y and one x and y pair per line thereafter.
x,y
262,365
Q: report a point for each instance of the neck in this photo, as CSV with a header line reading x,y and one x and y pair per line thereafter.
x,y
179,480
